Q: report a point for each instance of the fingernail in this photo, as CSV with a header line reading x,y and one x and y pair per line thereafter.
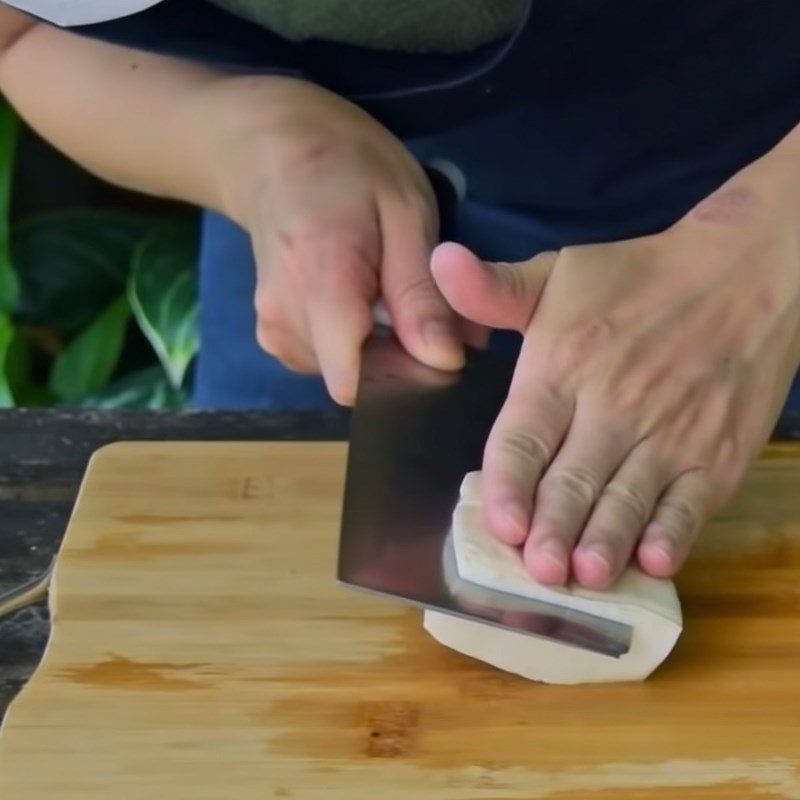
x,y
508,521
665,549
516,518
440,335
594,564
550,562
444,349
553,547
658,539
342,391
601,553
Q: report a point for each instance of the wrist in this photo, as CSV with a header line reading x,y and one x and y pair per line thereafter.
x,y
223,117
775,178
250,127
768,189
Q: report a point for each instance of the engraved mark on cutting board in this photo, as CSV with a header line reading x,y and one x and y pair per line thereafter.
x,y
391,728
118,672
254,489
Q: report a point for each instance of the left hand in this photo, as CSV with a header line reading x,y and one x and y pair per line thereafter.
x,y
651,375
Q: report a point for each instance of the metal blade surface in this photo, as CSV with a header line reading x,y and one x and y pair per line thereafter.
x,y
415,433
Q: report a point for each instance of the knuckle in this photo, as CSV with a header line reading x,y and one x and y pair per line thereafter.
x,y
602,534
577,482
268,308
316,252
272,339
527,448
629,398
631,498
513,278
591,333
296,244
311,153
277,342
418,203
298,259
413,290
678,515
580,346
632,394
299,365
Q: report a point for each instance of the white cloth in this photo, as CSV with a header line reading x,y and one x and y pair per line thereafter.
x,y
80,12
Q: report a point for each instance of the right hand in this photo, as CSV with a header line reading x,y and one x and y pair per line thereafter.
x,y
340,216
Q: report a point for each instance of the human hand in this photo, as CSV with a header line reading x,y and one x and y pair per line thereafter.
x,y
340,215
651,374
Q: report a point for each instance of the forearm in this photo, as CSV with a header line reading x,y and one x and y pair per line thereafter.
x,y
133,118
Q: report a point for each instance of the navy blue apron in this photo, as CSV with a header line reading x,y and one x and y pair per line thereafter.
x,y
596,120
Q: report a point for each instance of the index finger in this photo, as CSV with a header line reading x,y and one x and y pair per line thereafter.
x,y
523,441
340,317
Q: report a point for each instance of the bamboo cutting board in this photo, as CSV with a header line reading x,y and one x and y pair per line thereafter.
x,y
202,651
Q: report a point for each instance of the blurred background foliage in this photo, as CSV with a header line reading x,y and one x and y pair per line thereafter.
x,y
98,295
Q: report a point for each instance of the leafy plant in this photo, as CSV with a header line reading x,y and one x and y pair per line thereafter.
x,y
87,363
9,134
73,263
98,308
163,296
146,389
6,337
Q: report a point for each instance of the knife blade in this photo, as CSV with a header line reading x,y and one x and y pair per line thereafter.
x,y
415,433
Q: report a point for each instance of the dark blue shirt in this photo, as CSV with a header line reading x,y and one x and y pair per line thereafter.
x,y
594,111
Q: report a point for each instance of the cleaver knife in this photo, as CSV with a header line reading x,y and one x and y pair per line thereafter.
x,y
415,433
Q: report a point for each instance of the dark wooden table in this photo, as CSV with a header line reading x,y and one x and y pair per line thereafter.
x,y
43,455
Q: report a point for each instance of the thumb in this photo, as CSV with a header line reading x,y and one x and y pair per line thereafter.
x,y
499,295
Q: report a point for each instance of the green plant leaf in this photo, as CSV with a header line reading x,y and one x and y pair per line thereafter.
x,y
148,389
19,373
72,263
23,363
9,133
87,363
6,338
162,290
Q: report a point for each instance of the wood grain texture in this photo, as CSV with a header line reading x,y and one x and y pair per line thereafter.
x,y
43,458
202,651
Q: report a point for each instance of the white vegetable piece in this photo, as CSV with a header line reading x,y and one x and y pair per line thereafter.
x,y
649,605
